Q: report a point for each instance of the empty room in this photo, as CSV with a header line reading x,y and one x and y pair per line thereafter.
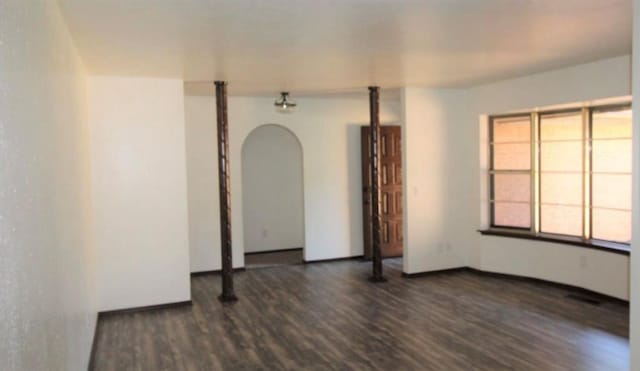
x,y
319,185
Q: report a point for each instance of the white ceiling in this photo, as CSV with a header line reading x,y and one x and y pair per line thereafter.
x,y
264,46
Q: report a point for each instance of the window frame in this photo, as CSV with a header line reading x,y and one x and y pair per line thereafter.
x,y
534,231
493,172
585,183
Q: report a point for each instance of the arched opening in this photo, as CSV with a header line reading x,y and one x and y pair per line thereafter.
x,y
272,197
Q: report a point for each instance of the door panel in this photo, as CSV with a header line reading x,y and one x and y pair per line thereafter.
x,y
390,190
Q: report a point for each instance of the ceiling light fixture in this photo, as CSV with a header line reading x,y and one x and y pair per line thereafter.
x,y
284,104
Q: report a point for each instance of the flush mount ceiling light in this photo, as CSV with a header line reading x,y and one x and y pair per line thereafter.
x,y
284,104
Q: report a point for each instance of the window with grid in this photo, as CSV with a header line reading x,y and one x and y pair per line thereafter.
x,y
561,173
564,173
511,171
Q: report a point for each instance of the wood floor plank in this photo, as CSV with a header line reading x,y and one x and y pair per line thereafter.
x,y
327,316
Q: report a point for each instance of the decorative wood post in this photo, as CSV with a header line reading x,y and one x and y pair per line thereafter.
x,y
374,112
225,193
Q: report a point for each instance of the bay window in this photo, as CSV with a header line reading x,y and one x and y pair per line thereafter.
x,y
562,173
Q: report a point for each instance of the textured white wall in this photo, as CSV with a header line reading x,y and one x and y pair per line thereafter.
x,y
446,182
272,198
47,307
433,196
329,131
635,243
202,180
139,191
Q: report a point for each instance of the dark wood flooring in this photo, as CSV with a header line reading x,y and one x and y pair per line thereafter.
x,y
327,316
273,259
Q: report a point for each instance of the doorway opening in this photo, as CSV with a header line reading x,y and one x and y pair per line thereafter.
x,y
272,197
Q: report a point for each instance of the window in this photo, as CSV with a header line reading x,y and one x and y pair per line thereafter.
x,y
511,175
561,173
611,175
564,173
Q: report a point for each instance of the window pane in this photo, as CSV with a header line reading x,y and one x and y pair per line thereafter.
x,y
561,219
611,155
611,225
564,189
511,149
612,191
561,156
512,156
563,126
512,129
508,214
611,124
512,187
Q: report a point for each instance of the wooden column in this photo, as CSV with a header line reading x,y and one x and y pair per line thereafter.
x,y
376,231
225,193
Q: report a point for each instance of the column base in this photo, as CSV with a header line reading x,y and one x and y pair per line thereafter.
x,y
227,298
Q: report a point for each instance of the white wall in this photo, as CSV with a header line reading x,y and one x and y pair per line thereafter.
x,y
272,199
635,242
329,131
431,125
445,160
202,180
139,191
47,306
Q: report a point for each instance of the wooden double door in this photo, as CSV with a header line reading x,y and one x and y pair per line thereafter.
x,y
390,141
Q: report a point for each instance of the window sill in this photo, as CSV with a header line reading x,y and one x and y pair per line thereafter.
x,y
613,247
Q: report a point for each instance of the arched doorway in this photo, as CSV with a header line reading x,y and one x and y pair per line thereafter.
x,y
272,197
